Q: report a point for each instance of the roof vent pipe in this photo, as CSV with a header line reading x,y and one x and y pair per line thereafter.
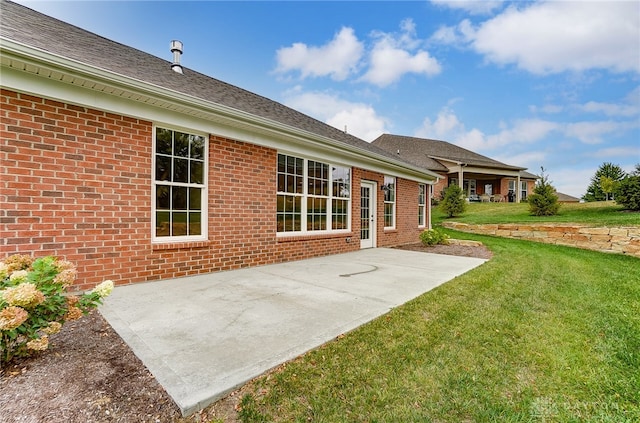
x,y
176,49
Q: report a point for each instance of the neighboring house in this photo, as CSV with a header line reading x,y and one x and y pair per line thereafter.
x,y
566,198
483,179
138,169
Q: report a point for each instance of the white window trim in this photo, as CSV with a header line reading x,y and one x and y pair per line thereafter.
x,y
305,196
394,202
204,201
423,206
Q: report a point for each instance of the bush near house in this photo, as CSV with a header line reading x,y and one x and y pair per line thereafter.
x,y
433,236
34,303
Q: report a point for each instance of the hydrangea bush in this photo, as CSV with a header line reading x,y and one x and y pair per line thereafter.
x,y
34,302
432,237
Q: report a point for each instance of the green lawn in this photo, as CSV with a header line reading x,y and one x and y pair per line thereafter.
x,y
596,213
539,333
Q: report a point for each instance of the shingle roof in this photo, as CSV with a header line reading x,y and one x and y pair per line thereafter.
x,y
26,26
426,152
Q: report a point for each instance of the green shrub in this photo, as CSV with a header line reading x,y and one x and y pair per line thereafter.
x,y
543,201
433,236
627,192
453,202
34,303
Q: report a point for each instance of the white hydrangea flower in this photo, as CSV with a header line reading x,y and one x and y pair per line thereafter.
x,y
103,289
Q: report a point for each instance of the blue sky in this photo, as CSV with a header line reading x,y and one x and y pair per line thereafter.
x,y
529,83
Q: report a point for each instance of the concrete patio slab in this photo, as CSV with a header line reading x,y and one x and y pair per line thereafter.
x,y
204,336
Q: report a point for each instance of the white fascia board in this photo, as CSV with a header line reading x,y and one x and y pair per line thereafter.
x,y
175,108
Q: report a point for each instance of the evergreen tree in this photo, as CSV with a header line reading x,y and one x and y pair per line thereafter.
x,y
453,203
543,201
627,191
606,170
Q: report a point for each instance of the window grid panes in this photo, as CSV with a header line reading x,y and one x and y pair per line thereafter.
x,y
422,194
312,196
389,201
179,184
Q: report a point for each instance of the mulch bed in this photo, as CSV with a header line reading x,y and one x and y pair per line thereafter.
x,y
90,375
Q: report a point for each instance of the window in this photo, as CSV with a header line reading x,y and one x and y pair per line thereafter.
x,y
389,201
312,196
179,186
523,190
422,195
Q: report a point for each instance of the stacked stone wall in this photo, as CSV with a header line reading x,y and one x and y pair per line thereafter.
x,y
622,240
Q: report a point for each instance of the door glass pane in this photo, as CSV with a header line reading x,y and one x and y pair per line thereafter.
x,y
364,212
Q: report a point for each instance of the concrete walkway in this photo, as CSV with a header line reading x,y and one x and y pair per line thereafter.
x,y
204,336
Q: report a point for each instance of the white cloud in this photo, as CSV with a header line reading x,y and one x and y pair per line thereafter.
x,y
524,131
448,127
551,37
474,7
592,132
394,55
338,58
445,127
554,37
532,160
611,152
359,119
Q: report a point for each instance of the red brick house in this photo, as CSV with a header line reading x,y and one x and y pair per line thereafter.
x,y
138,169
483,179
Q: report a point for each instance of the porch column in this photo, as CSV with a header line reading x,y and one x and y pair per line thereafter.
x,y
460,178
518,190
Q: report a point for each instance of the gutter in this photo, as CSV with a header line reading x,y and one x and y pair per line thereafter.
x,y
40,58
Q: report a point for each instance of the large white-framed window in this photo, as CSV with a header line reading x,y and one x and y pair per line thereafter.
x,y
179,186
422,205
313,196
523,190
389,202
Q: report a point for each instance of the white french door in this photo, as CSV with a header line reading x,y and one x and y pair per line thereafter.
x,y
367,214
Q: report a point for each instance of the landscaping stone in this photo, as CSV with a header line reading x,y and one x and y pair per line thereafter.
x,y
625,240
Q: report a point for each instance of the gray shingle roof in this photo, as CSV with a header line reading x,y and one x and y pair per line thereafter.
x,y
26,26
425,152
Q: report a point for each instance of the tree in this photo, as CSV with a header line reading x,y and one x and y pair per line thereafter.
x,y
608,170
627,191
543,201
453,203
607,185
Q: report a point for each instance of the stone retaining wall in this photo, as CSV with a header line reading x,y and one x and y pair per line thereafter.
x,y
624,240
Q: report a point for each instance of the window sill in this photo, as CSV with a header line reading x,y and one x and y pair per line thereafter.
x,y
179,245
305,237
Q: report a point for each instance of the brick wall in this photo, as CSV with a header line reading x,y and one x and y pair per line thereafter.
x,y
76,183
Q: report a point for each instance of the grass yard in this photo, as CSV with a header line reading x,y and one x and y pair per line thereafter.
x,y
540,333
597,213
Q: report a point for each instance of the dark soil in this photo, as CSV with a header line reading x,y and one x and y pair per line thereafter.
x,y
90,375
